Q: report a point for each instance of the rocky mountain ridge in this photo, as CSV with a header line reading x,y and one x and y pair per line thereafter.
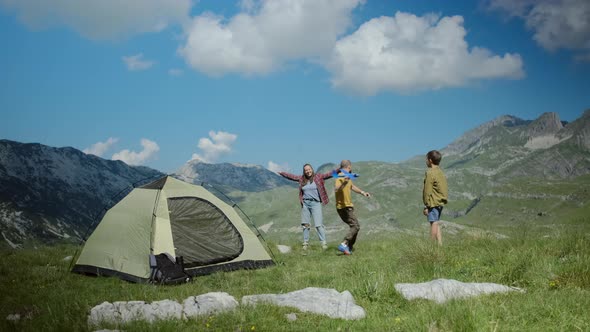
x,y
494,178
230,176
511,147
51,193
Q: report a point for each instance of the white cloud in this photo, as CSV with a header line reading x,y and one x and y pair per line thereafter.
x,y
175,72
556,23
150,148
266,35
136,62
401,53
101,19
405,53
99,148
212,149
274,167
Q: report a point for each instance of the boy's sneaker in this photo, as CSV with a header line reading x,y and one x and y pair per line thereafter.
x,y
324,246
305,246
344,248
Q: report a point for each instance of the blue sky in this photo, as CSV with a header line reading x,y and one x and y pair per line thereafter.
x,y
285,82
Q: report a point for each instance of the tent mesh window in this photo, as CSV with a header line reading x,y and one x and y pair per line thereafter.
x,y
202,233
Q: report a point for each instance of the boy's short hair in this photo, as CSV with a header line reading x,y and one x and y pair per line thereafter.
x,y
434,156
345,163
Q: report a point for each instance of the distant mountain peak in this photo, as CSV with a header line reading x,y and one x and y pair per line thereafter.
x,y
510,146
472,139
196,161
53,193
546,124
580,130
244,177
504,120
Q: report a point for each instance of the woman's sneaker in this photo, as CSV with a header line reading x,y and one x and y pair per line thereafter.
x,y
344,248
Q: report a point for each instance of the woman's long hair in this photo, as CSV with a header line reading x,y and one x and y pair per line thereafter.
x,y
304,179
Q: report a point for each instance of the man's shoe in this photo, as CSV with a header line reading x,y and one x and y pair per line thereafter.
x,y
305,246
324,246
344,248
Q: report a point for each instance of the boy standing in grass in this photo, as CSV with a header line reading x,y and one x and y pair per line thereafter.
x,y
435,193
344,187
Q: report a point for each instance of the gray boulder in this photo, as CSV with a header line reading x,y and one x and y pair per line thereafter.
x,y
119,312
124,312
328,302
209,303
13,317
104,312
284,249
442,290
161,310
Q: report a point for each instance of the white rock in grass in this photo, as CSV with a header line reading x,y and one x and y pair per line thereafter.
x,y
13,317
130,311
322,301
125,312
442,290
104,312
165,309
266,227
284,249
214,302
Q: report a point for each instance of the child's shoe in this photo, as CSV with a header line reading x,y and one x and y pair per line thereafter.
x,y
344,248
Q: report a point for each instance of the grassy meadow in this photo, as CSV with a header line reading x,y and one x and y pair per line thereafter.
x,y
396,204
552,265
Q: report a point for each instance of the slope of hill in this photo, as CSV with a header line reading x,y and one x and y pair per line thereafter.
x,y
396,204
509,147
504,172
51,193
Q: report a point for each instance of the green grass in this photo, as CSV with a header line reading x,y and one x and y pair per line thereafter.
x,y
551,264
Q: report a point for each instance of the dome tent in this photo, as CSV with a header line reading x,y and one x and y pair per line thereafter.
x,y
171,217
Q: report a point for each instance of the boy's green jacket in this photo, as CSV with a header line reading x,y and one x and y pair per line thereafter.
x,y
436,191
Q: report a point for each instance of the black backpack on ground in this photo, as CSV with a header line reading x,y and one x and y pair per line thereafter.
x,y
166,270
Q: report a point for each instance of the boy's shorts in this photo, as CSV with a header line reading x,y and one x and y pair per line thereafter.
x,y
434,214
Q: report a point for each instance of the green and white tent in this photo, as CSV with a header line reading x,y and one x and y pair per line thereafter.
x,y
176,218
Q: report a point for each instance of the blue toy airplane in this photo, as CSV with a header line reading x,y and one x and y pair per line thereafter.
x,y
344,174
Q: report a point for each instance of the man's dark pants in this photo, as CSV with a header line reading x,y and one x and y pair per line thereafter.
x,y
347,215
